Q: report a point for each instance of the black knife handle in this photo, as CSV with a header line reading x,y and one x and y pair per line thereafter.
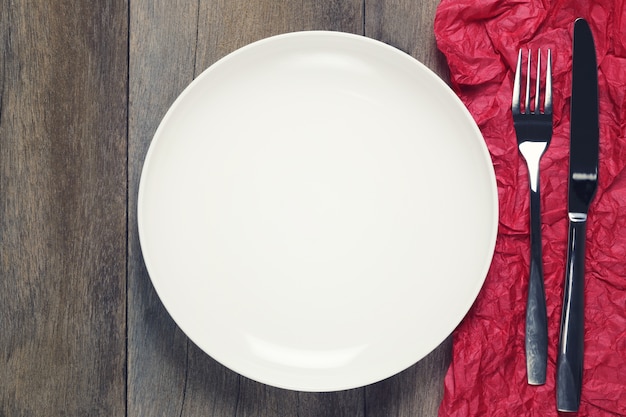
x,y
536,316
570,357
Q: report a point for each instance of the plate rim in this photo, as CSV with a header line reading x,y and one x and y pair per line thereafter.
x,y
443,88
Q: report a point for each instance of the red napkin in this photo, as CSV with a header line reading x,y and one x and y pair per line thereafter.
x,y
480,40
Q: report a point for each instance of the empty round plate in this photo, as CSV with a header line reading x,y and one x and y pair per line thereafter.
x,y
317,211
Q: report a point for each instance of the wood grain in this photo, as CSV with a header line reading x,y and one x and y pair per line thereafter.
x,y
62,208
226,26
407,25
161,61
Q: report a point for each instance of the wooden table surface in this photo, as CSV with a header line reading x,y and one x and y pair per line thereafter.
x,y
83,86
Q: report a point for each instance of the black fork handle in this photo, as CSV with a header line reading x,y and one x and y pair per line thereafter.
x,y
536,315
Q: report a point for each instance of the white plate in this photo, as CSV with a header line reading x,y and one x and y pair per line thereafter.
x,y
317,211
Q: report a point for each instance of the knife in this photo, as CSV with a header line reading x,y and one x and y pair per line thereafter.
x,y
583,181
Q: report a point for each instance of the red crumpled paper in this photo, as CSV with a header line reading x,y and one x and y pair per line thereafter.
x,y
480,40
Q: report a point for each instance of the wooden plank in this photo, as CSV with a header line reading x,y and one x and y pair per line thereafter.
x,y
408,25
62,207
162,47
349,403
415,392
226,26
170,43
209,388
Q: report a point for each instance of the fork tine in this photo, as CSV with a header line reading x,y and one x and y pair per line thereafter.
x,y
547,106
527,101
538,83
515,104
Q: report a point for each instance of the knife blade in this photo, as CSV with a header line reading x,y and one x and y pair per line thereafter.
x,y
583,181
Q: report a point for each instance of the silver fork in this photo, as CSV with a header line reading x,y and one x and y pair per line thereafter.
x,y
533,127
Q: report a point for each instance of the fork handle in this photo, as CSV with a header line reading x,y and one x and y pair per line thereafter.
x,y
536,316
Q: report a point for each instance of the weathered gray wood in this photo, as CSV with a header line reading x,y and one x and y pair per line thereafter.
x,y
161,63
407,25
415,392
338,404
63,83
227,26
